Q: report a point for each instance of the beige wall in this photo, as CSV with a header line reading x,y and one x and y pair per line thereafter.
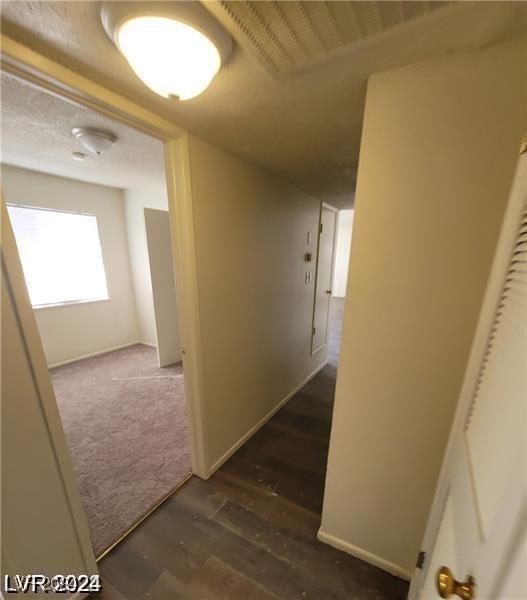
x,y
137,199
255,309
72,331
157,223
438,152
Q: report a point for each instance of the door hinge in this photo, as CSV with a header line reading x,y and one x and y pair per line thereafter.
x,y
314,329
321,227
420,559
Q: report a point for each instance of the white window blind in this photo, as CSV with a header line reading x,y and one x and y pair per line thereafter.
x,y
61,255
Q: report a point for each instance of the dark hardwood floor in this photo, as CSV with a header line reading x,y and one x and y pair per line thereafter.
x,y
249,532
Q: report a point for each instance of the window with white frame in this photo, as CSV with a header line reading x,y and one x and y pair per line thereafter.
x,y
61,255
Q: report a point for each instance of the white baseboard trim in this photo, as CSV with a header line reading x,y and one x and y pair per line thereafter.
x,y
148,344
71,360
224,457
364,555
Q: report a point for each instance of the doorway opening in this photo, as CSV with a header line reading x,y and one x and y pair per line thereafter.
x,y
334,246
94,240
339,285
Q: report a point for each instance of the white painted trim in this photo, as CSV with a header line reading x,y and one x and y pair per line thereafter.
x,y
183,240
149,344
319,349
92,354
334,258
224,457
323,205
69,302
330,207
314,350
364,555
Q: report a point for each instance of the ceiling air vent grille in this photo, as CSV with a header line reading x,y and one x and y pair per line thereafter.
x,y
287,36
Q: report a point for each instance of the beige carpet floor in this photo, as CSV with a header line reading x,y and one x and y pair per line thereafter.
x,y
127,432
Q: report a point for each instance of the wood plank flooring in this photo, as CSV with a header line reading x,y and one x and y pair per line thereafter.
x,y
249,532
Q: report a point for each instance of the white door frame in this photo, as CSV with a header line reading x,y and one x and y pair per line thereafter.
x,y
51,77
487,314
323,205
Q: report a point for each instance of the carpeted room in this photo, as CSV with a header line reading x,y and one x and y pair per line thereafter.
x,y
127,432
94,243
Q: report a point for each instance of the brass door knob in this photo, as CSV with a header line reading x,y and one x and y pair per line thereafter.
x,y
328,292
447,586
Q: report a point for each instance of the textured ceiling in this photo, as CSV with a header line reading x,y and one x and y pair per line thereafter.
x,y
36,134
304,124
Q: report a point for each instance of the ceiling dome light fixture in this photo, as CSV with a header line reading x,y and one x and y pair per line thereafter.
x,y
175,48
94,140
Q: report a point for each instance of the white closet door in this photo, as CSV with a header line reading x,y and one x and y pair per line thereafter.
x,y
483,530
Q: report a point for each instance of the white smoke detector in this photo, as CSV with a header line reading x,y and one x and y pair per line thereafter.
x,y
95,141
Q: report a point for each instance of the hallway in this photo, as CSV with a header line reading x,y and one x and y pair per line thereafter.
x,y
249,532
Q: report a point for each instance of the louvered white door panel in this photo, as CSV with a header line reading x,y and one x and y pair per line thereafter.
x,y
494,435
483,532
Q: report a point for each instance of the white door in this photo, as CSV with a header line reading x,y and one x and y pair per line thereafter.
x,y
163,286
477,528
326,245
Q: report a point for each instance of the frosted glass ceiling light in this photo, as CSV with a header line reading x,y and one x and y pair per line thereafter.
x,y
175,48
170,57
